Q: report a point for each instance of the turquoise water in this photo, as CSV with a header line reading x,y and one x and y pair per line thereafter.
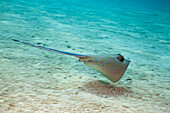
x,y
37,80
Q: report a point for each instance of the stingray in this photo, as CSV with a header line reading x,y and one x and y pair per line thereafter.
x,y
111,66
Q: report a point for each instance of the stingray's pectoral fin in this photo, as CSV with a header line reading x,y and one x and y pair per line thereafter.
x,y
112,68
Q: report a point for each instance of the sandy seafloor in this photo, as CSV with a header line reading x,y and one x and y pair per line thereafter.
x,y
34,80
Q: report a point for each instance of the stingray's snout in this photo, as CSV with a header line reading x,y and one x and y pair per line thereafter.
x,y
120,57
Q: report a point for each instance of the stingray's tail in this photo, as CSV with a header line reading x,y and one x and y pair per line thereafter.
x,y
49,49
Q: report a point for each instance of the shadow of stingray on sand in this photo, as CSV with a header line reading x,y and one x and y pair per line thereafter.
x,y
101,88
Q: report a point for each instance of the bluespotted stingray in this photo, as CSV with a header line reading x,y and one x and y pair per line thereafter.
x,y
111,66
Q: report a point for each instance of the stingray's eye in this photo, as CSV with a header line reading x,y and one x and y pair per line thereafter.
x,y
120,57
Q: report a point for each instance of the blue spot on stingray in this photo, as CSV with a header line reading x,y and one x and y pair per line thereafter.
x,y
113,62
103,65
101,62
90,60
109,62
96,59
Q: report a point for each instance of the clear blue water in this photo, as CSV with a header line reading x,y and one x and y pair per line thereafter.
x,y
140,30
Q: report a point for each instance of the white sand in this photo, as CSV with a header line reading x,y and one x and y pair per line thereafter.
x,y
33,80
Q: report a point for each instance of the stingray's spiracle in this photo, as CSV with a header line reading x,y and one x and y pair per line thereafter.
x,y
120,57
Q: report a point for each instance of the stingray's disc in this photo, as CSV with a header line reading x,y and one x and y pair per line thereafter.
x,y
109,66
